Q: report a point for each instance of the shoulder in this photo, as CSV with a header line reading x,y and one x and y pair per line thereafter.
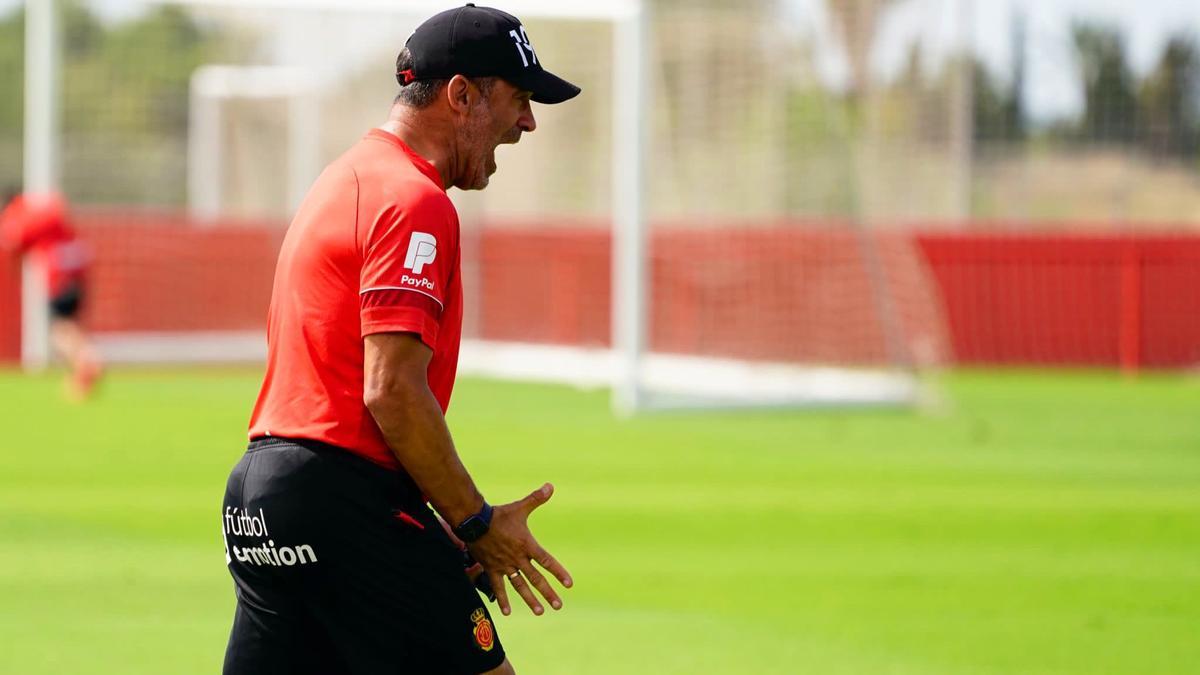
x,y
44,205
401,191
420,195
333,197
37,211
392,213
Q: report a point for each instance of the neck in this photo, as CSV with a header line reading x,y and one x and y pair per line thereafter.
x,y
426,135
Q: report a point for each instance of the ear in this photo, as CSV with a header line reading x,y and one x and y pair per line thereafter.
x,y
459,93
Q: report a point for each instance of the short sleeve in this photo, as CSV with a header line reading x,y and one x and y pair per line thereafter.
x,y
18,226
32,219
409,251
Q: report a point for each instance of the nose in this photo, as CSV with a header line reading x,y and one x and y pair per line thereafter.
x,y
526,122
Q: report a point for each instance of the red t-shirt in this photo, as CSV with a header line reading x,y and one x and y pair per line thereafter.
x,y
37,224
373,249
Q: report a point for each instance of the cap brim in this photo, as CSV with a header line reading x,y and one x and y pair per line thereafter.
x,y
548,87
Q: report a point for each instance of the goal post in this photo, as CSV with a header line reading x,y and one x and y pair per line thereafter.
x,y
629,235
211,85
40,164
658,368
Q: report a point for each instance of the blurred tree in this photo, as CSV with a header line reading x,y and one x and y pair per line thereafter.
x,y
1169,102
1110,102
993,107
12,100
81,32
1014,107
123,96
135,79
12,72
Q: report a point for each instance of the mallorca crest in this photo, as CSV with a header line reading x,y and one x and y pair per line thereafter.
x,y
485,637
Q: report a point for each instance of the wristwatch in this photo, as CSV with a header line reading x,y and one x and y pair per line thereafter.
x,y
475,526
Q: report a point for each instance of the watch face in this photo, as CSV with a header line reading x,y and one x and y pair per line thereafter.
x,y
476,526
471,529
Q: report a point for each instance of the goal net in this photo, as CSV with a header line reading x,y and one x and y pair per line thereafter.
x,y
711,223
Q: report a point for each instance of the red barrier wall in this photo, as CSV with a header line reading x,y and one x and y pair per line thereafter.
x,y
1168,323
10,308
166,273
787,291
542,284
161,272
1097,301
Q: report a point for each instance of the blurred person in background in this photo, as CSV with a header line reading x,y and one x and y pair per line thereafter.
x,y
37,225
339,562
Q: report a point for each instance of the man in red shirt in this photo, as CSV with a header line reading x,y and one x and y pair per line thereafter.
x,y
36,225
340,565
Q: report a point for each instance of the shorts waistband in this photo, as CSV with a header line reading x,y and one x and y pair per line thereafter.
x,y
360,465
266,442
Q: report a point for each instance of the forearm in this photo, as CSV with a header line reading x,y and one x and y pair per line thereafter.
x,y
415,429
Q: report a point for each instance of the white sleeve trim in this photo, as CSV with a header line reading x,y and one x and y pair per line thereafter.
x,y
402,288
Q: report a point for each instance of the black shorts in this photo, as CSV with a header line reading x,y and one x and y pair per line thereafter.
x,y
66,304
340,567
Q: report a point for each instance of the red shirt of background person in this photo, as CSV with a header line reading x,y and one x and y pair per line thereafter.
x,y
399,264
37,224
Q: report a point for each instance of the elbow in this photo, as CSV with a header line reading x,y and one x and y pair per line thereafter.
x,y
386,396
379,398
375,399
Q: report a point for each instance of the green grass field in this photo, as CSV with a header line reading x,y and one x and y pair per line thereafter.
x,y
1047,523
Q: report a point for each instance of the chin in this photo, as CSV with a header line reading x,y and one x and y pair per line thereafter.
x,y
477,185
485,178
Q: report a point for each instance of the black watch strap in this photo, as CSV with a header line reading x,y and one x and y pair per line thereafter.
x,y
475,526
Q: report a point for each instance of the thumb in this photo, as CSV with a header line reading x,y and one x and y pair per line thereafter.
x,y
537,498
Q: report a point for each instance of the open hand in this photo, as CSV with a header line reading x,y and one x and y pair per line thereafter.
x,y
508,551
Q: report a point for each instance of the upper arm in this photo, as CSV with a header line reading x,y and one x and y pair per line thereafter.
x,y
409,253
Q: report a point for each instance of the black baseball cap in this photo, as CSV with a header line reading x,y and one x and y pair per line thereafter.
x,y
481,42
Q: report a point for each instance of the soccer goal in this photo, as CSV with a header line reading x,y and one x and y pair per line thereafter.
x,y
707,225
